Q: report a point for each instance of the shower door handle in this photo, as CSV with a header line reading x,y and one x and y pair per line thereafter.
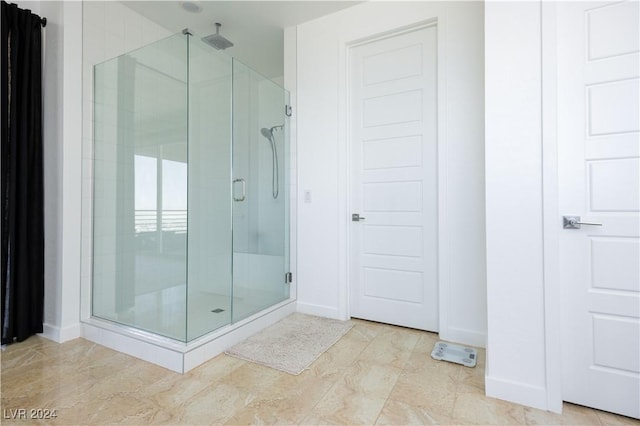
x,y
244,190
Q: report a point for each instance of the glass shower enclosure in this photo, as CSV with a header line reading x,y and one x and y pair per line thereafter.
x,y
190,195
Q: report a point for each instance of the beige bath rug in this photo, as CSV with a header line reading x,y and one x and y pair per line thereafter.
x,y
292,344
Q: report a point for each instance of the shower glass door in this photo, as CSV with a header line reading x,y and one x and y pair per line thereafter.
x,y
260,191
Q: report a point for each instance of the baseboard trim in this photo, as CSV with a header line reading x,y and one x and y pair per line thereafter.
x,y
520,393
61,334
319,310
463,336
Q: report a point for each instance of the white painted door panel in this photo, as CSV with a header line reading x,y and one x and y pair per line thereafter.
x,y
599,179
394,180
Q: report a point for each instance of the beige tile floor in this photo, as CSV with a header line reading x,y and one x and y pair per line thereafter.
x,y
376,374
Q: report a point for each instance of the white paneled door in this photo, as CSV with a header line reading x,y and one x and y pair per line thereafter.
x,y
394,256
599,180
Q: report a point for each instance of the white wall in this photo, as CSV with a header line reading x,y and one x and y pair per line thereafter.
x,y
322,143
515,297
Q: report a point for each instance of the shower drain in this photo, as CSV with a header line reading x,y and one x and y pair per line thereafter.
x,y
217,310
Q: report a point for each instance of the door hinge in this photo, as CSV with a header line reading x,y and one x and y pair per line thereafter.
x,y
288,111
288,278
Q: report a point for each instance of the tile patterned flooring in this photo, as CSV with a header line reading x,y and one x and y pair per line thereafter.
x,y
376,374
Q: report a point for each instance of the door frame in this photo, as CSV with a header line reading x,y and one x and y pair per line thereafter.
x,y
551,226
345,169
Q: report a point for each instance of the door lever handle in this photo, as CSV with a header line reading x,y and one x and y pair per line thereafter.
x,y
573,222
355,217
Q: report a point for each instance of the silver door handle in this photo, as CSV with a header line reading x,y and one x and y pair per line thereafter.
x,y
244,190
573,222
355,217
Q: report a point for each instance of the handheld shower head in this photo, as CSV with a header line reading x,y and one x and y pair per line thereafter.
x,y
267,133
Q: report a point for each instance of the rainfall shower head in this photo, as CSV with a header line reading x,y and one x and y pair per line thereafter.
x,y
216,40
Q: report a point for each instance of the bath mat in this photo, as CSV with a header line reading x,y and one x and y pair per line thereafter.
x,y
292,344
453,353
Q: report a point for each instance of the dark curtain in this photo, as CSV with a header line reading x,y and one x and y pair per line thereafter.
x,y
22,175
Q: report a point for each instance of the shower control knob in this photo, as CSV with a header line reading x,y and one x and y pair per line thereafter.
x,y
355,217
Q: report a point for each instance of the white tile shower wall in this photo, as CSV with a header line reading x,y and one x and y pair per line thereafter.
x,y
109,30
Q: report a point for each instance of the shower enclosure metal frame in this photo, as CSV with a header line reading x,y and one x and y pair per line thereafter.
x,y
163,140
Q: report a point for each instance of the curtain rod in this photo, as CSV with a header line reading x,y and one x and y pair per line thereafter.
x,y
43,21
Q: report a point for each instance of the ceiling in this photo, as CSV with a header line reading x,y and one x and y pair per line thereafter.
x,y
255,27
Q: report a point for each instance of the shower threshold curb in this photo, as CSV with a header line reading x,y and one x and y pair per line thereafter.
x,y
175,355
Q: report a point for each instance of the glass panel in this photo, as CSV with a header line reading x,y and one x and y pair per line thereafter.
x,y
209,290
140,188
261,205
